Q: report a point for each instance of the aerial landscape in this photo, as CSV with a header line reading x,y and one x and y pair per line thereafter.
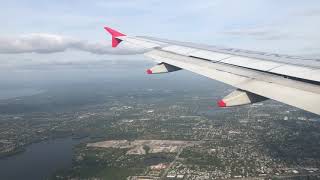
x,y
152,127
80,100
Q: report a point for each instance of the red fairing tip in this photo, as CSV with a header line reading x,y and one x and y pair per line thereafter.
x,y
149,71
221,103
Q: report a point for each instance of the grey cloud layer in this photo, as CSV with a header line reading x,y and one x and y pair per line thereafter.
x,y
51,43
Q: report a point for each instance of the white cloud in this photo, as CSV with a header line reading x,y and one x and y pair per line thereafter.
x,y
51,43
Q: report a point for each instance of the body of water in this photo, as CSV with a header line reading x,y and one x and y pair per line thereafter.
x,y
39,161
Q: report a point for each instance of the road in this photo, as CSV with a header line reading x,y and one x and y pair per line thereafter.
x,y
171,164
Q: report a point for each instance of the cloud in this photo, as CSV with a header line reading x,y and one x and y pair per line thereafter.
x,y
249,31
309,12
259,33
50,43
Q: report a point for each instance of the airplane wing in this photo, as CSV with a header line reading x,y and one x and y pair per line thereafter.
x,y
257,76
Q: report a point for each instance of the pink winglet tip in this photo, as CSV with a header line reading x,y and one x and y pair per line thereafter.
x,y
113,32
149,71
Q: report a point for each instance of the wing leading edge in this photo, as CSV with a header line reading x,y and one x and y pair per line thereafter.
x,y
257,76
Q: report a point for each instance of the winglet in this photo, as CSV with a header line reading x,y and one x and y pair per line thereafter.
x,y
114,34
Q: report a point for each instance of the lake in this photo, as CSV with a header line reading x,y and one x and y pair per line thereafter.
x,y
39,160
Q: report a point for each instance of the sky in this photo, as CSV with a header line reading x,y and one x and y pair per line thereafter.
x,y
71,31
